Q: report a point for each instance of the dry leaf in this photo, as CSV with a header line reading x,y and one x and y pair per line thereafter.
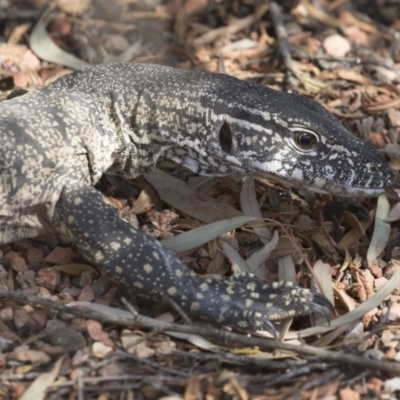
x,y
100,350
129,338
17,263
59,255
199,236
336,45
38,389
95,331
22,353
356,35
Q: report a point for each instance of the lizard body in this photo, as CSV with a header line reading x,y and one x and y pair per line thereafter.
x,y
124,119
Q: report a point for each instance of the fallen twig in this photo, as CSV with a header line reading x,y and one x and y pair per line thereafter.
x,y
227,337
310,84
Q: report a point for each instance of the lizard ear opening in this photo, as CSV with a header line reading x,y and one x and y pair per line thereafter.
x,y
226,138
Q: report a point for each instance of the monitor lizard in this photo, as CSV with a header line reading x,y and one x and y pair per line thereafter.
x,y
125,119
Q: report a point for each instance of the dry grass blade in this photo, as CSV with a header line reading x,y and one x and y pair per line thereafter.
x,y
238,263
199,236
196,340
322,272
287,269
259,257
381,233
255,261
249,205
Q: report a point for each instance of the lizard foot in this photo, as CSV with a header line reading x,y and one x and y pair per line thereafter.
x,y
244,302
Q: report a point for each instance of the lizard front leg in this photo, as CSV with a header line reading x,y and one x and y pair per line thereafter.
x,y
139,261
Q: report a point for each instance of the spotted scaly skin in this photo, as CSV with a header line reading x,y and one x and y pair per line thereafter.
x,y
124,119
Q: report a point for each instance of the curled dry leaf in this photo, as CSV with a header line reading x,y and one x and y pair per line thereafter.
x,y
142,204
394,213
162,220
325,243
355,233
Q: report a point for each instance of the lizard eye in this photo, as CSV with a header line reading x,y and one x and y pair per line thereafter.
x,y
304,139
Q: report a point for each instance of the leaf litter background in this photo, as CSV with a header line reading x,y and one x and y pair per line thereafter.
x,y
345,55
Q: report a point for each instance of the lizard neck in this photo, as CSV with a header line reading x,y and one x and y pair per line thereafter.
x,y
158,120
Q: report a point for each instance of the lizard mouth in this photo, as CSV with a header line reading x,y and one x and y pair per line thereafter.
x,y
334,188
350,191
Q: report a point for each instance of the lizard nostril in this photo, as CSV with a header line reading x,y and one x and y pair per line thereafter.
x,y
372,167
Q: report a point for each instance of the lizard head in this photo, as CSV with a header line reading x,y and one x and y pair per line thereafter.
x,y
291,139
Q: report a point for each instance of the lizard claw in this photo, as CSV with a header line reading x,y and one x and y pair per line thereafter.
x,y
320,309
270,328
322,301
